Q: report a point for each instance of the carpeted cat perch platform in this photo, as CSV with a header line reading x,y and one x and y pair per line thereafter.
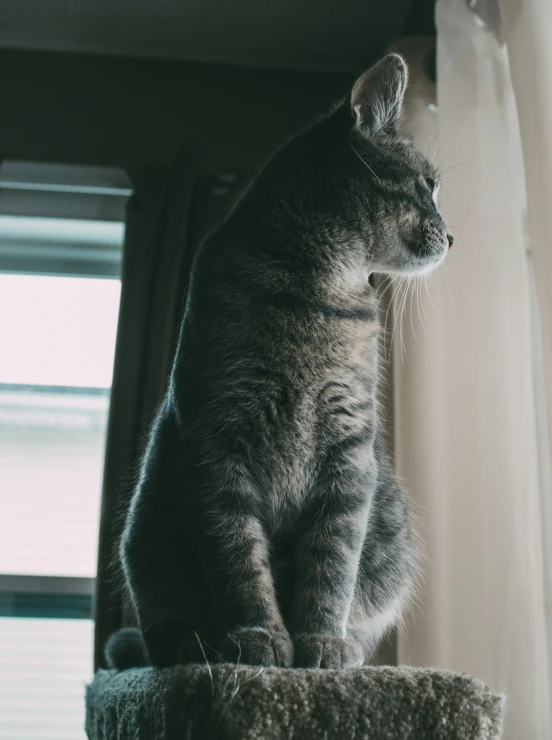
x,y
226,702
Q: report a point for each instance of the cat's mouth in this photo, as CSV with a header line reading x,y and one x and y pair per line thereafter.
x,y
432,243
427,253
427,250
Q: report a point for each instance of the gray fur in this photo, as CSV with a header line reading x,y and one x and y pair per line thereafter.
x,y
266,526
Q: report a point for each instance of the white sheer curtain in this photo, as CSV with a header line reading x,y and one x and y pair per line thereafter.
x,y
472,364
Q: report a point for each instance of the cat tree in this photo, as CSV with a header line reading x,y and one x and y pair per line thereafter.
x,y
228,702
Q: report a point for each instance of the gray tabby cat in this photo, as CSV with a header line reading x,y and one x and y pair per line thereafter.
x,y
266,526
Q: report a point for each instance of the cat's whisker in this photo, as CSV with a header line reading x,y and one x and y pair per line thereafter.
x,y
364,161
441,130
401,322
452,167
384,288
408,310
459,284
423,282
420,302
458,266
392,306
426,281
206,663
400,319
414,285
385,323
397,301
436,130
449,291
387,282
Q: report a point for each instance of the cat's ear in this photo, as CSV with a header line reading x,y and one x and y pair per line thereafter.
x,y
377,96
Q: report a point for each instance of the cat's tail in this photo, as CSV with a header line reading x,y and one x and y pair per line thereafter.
x,y
125,649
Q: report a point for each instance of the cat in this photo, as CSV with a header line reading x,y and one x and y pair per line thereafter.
x,y
266,526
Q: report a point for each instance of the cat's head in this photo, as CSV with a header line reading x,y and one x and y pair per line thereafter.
x,y
355,184
397,188
359,182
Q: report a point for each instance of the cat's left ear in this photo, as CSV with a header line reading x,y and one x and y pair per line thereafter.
x,y
377,96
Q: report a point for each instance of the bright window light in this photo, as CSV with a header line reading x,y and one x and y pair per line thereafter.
x,y
60,337
59,306
44,666
57,331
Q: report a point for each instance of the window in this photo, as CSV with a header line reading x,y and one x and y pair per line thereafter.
x,y
59,301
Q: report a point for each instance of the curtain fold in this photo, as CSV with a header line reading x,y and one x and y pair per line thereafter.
x,y
527,30
464,362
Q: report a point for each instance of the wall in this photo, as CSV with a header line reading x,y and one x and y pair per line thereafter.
x,y
99,110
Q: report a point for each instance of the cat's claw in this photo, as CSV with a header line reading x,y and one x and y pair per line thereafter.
x,y
326,651
259,646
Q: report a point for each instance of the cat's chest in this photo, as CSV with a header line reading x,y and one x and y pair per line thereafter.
x,y
338,413
347,376
334,404
335,385
345,404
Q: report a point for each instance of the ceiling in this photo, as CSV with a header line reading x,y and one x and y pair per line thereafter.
x,y
337,35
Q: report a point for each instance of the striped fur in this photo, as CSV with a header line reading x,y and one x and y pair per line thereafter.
x,y
266,526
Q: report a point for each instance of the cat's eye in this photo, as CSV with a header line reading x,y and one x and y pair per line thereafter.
x,y
430,182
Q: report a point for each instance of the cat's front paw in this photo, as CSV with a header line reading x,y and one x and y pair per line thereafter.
x,y
326,651
259,646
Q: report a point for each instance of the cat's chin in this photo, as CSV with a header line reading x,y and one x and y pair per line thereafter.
x,y
413,269
426,267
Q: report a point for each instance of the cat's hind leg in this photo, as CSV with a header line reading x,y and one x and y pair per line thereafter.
x,y
175,618
387,568
159,554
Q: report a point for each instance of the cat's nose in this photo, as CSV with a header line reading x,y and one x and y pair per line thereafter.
x,y
450,240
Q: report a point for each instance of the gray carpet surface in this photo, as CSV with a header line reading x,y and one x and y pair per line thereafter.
x,y
228,702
